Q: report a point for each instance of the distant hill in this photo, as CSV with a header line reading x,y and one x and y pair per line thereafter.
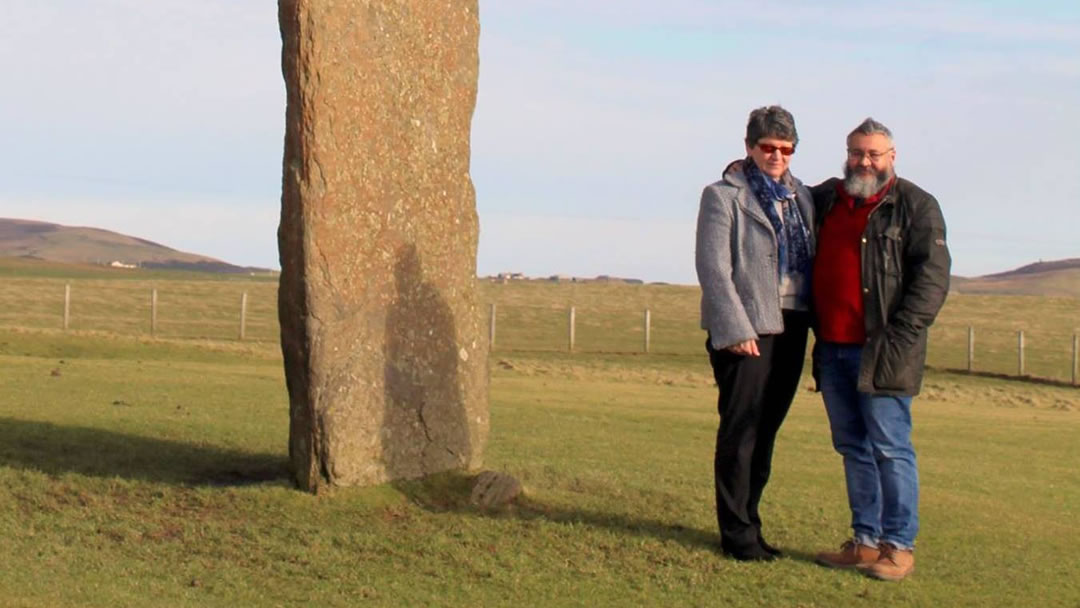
x,y
82,245
1039,267
1053,278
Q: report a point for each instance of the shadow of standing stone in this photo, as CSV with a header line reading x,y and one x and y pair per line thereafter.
x,y
383,340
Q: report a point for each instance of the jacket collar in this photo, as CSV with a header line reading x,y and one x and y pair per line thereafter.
x,y
733,175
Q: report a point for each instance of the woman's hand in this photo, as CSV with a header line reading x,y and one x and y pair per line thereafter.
x,y
748,348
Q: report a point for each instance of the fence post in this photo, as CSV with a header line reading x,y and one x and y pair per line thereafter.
x,y
648,325
1076,356
243,314
491,327
971,349
153,312
1020,352
571,337
67,305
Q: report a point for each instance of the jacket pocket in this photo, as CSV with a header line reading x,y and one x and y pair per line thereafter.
x,y
899,362
891,250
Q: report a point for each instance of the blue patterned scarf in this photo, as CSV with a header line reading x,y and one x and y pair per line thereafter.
x,y
792,237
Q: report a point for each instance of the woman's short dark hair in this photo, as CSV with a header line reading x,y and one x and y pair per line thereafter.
x,y
771,121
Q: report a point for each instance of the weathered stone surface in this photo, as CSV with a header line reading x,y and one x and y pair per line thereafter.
x,y
493,489
385,356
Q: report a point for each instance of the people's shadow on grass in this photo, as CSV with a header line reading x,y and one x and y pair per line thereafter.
x,y
451,492
57,449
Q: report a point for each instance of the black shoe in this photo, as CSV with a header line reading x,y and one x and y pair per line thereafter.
x,y
771,550
747,553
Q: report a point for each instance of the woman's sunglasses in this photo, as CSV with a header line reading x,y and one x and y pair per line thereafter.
x,y
769,149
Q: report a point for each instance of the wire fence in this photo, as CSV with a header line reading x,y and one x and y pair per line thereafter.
x,y
209,310
1001,352
238,310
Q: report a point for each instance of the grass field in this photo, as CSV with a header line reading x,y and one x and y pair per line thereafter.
x,y
141,471
531,316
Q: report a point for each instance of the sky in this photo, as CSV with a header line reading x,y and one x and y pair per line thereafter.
x,y
597,124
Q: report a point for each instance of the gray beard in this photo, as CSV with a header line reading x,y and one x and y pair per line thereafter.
x,y
864,186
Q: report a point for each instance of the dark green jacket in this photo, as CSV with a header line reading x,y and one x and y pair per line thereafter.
x,y
905,278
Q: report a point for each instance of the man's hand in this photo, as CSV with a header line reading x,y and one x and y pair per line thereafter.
x,y
748,348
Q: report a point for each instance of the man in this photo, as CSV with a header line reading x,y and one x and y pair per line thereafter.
x,y
880,277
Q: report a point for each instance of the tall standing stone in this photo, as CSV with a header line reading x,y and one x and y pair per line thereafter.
x,y
385,356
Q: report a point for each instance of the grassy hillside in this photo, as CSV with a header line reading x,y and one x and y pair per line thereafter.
x,y
1040,267
1063,282
1054,278
84,245
37,268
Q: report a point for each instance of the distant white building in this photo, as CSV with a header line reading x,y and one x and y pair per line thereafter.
x,y
504,277
119,264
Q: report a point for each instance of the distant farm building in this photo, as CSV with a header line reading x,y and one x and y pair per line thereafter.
x,y
506,277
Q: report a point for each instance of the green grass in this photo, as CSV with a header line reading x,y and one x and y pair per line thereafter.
x,y
141,472
144,470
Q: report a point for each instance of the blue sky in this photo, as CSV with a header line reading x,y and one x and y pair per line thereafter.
x,y
597,123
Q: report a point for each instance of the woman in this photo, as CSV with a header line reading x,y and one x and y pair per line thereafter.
x,y
754,253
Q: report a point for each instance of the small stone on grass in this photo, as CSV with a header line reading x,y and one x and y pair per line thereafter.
x,y
494,489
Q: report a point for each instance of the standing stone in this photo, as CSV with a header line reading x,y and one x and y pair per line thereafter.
x,y
385,355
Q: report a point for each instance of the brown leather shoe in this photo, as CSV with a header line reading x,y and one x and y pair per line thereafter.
x,y
851,555
893,564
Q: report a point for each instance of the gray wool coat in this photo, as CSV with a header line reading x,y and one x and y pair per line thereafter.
x,y
736,258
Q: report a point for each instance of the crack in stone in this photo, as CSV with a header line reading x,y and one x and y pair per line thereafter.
x,y
430,441
427,435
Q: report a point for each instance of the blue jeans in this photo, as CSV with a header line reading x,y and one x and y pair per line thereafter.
x,y
873,434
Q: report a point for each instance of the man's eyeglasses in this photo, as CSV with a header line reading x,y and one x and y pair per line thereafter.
x,y
873,155
769,149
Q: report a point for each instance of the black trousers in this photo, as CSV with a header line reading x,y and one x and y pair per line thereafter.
x,y
755,395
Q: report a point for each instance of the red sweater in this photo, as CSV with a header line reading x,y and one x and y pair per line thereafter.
x,y
837,279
